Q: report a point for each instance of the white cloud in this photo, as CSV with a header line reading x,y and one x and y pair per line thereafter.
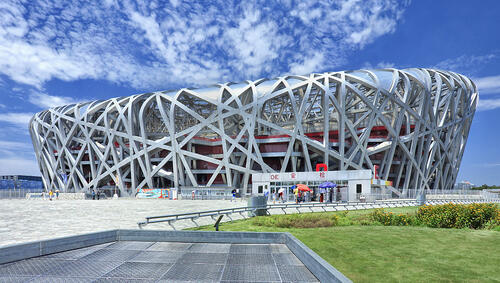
x,y
310,64
18,119
488,85
466,64
155,45
43,100
9,145
379,65
488,104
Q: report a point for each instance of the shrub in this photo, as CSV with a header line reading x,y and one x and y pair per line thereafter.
x,y
474,216
391,219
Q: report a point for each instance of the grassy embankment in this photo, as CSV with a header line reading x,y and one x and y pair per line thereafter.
x,y
366,251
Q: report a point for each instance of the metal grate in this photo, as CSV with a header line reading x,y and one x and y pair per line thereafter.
x,y
194,272
139,270
286,259
110,255
250,249
209,248
36,266
211,258
295,273
279,248
163,262
130,245
157,257
14,279
168,246
122,280
250,259
87,268
75,254
52,279
251,273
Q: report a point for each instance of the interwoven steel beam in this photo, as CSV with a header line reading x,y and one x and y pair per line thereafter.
x,y
412,123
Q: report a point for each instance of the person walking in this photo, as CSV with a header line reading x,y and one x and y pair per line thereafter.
x,y
296,194
50,194
93,194
233,192
57,194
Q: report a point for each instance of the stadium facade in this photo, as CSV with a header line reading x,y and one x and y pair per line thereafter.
x,y
412,123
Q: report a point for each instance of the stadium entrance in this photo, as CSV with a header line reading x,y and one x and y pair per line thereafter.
x,y
351,185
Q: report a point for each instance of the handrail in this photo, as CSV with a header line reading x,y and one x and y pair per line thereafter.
x,y
171,218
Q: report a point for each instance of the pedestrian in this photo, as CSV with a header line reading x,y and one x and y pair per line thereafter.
x,y
233,192
296,194
57,194
50,194
93,194
98,193
192,194
266,194
274,198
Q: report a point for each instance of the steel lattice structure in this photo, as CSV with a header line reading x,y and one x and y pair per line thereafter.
x,y
413,123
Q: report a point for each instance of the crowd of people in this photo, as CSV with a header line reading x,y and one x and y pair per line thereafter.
x,y
322,195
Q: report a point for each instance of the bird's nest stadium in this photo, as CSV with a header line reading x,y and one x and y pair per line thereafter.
x,y
413,124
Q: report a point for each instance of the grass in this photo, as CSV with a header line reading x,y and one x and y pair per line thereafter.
x,y
368,252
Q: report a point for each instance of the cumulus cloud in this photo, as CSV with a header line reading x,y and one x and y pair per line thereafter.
x,y
488,104
466,64
488,85
43,100
153,45
18,119
379,65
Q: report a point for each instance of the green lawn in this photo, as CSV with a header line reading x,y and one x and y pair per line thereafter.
x,y
373,253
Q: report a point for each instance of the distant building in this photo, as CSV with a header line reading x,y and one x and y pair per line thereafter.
x,y
21,182
464,185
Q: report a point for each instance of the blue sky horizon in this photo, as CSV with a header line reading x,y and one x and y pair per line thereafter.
x,y
65,52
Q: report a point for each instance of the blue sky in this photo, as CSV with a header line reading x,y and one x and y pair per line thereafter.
x,y
68,51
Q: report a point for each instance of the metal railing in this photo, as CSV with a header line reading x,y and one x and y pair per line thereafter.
x,y
17,193
193,216
171,218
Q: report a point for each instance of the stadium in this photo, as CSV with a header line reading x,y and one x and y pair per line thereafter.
x,y
411,124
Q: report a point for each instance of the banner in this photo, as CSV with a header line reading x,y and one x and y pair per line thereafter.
x,y
153,193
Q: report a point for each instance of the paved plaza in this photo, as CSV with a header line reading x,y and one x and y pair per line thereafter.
x,y
33,220
131,261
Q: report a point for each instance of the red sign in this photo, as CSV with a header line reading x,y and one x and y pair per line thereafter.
x,y
322,174
293,175
275,176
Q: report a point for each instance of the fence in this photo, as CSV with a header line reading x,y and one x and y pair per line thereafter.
x,y
286,208
17,194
